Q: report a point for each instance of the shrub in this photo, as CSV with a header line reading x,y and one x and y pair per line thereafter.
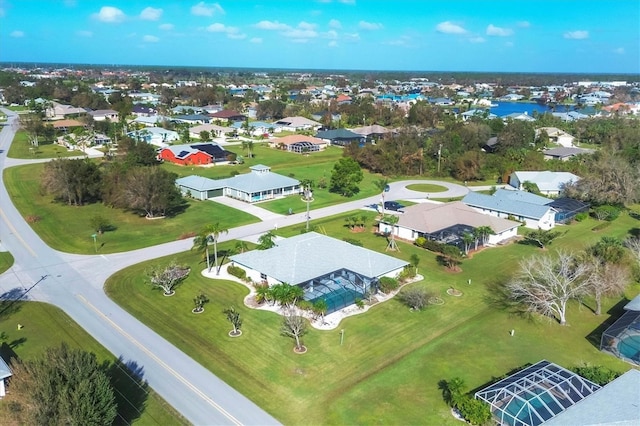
x,y
186,235
596,373
32,218
99,223
476,412
237,272
416,298
359,303
407,273
429,245
581,216
388,284
353,241
606,212
305,305
601,226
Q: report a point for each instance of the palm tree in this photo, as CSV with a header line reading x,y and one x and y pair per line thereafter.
x,y
391,220
210,234
241,246
468,239
265,241
483,233
381,184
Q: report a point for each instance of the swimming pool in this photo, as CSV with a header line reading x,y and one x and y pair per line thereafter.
x,y
629,347
522,410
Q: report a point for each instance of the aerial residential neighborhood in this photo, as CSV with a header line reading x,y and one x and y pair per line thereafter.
x,y
290,223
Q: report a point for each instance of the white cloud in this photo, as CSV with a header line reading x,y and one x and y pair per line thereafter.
x,y
236,36
334,23
448,27
351,37
619,50
17,34
150,39
256,40
306,26
150,14
166,27
83,33
231,32
298,33
204,9
402,41
216,28
331,34
272,25
492,30
370,26
332,43
477,39
109,14
524,24
576,35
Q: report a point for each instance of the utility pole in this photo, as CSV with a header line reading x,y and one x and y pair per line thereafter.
x,y
439,156
307,196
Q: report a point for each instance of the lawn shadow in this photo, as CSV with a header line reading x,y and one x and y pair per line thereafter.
x,y
634,232
7,353
10,301
499,297
130,388
616,311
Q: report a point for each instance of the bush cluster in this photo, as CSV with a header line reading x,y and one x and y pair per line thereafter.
x,y
430,245
237,272
388,284
606,212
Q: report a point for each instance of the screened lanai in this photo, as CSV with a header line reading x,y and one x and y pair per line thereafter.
x,y
622,338
302,147
535,394
339,289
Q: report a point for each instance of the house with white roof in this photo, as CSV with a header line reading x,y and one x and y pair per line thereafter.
x,y
156,136
259,185
324,267
548,183
295,124
557,136
530,209
215,130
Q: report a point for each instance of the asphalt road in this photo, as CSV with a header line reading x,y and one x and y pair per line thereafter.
x,y
75,284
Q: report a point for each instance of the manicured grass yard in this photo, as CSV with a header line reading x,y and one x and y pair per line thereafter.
x,y
46,326
6,260
388,368
67,228
21,148
426,187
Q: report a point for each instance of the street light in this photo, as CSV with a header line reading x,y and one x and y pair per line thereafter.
x,y
307,196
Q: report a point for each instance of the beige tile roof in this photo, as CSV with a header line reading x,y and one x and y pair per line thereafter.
x,y
430,218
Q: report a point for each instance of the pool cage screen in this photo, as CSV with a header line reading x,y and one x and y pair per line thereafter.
x,y
622,338
535,394
338,289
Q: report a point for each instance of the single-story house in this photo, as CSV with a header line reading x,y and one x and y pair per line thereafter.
x,y
58,111
533,210
66,124
372,132
256,128
215,130
549,183
151,120
341,137
258,185
491,145
104,114
295,124
557,136
479,113
446,223
143,111
564,154
192,118
195,154
522,116
320,116
5,373
570,116
546,393
227,116
156,136
298,143
324,267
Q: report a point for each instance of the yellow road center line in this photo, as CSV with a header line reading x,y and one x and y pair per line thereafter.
x,y
162,363
15,232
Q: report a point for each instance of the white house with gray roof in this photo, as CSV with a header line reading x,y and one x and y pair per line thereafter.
x,y
549,183
260,184
325,268
5,373
446,223
530,209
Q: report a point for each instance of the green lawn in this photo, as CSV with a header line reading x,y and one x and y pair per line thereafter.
x,y
46,326
388,368
6,260
426,187
21,148
68,229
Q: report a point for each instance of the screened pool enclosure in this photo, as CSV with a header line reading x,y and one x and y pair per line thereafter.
x,y
339,289
535,394
622,338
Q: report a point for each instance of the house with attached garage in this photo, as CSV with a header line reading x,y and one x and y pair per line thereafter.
x,y
295,124
556,136
300,144
259,185
548,183
564,154
156,136
532,210
447,223
325,268
341,137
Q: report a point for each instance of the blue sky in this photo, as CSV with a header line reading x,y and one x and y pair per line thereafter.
x,y
590,36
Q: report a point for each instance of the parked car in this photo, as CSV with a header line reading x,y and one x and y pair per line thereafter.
x,y
393,205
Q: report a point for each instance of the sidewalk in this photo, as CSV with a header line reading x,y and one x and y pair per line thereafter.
x,y
252,209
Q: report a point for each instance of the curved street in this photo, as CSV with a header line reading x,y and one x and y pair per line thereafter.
x,y
74,283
